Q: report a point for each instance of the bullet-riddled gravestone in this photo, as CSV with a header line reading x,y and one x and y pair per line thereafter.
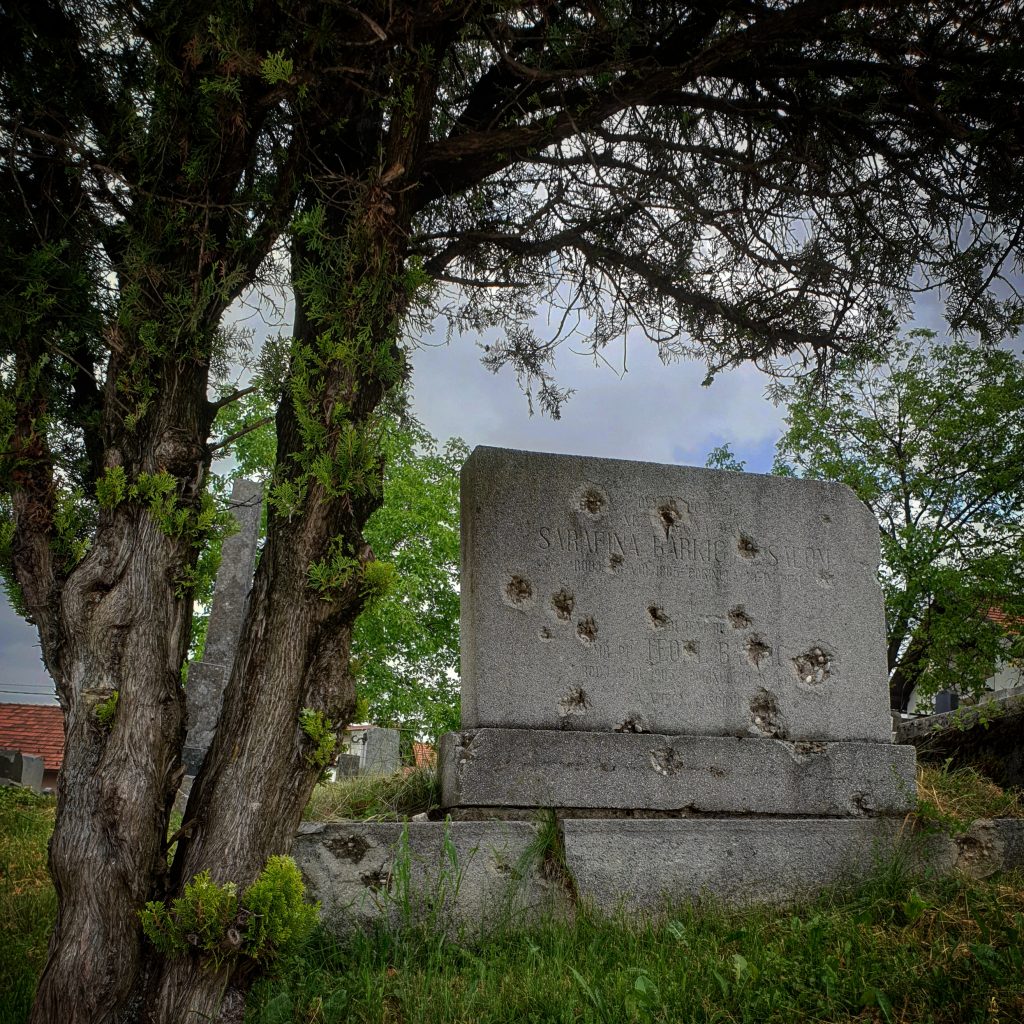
x,y
642,637
608,595
700,649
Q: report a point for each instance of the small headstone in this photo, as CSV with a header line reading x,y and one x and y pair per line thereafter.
x,y
602,595
18,769
381,754
10,767
346,766
32,772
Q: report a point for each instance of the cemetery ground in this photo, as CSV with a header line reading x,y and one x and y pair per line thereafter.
x,y
893,948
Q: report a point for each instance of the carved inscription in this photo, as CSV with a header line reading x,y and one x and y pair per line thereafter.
x,y
654,553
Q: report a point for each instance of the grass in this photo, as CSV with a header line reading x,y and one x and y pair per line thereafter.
x,y
891,950
28,904
957,797
375,798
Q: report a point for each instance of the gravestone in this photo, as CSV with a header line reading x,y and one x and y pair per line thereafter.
x,y
687,667
18,769
381,753
204,693
646,638
602,595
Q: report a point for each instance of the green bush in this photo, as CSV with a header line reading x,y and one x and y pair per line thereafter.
x,y
209,919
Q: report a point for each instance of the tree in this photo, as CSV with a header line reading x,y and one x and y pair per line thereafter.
x,y
930,440
722,457
751,180
405,647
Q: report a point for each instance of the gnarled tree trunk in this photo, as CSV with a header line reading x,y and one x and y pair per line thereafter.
x,y
115,635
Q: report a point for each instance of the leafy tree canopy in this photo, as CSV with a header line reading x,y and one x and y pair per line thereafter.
x,y
930,439
405,647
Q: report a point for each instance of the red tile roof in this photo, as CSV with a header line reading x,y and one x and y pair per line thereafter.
x,y
424,754
34,729
1000,617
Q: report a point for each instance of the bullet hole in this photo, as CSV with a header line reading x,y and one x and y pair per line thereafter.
x,y
352,848
747,546
562,604
518,591
692,647
826,518
805,750
629,725
757,650
587,630
667,762
575,702
862,804
658,616
545,633
615,561
593,501
813,666
376,881
739,617
765,718
668,513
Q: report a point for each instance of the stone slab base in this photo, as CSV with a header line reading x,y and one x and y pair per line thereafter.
x,y
647,865
480,875
504,768
447,874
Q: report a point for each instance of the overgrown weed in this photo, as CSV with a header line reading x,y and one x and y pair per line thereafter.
x,y
892,948
375,797
960,796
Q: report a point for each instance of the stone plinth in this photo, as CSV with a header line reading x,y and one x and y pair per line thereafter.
x,y
508,768
364,872
601,595
443,874
649,865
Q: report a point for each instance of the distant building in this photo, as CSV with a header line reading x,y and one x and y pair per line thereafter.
x,y
36,729
1008,676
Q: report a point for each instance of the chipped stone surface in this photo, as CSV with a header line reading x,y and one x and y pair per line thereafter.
x,y
691,774
356,869
363,871
673,597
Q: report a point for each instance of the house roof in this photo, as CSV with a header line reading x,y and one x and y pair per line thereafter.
x,y
425,755
1000,617
36,729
